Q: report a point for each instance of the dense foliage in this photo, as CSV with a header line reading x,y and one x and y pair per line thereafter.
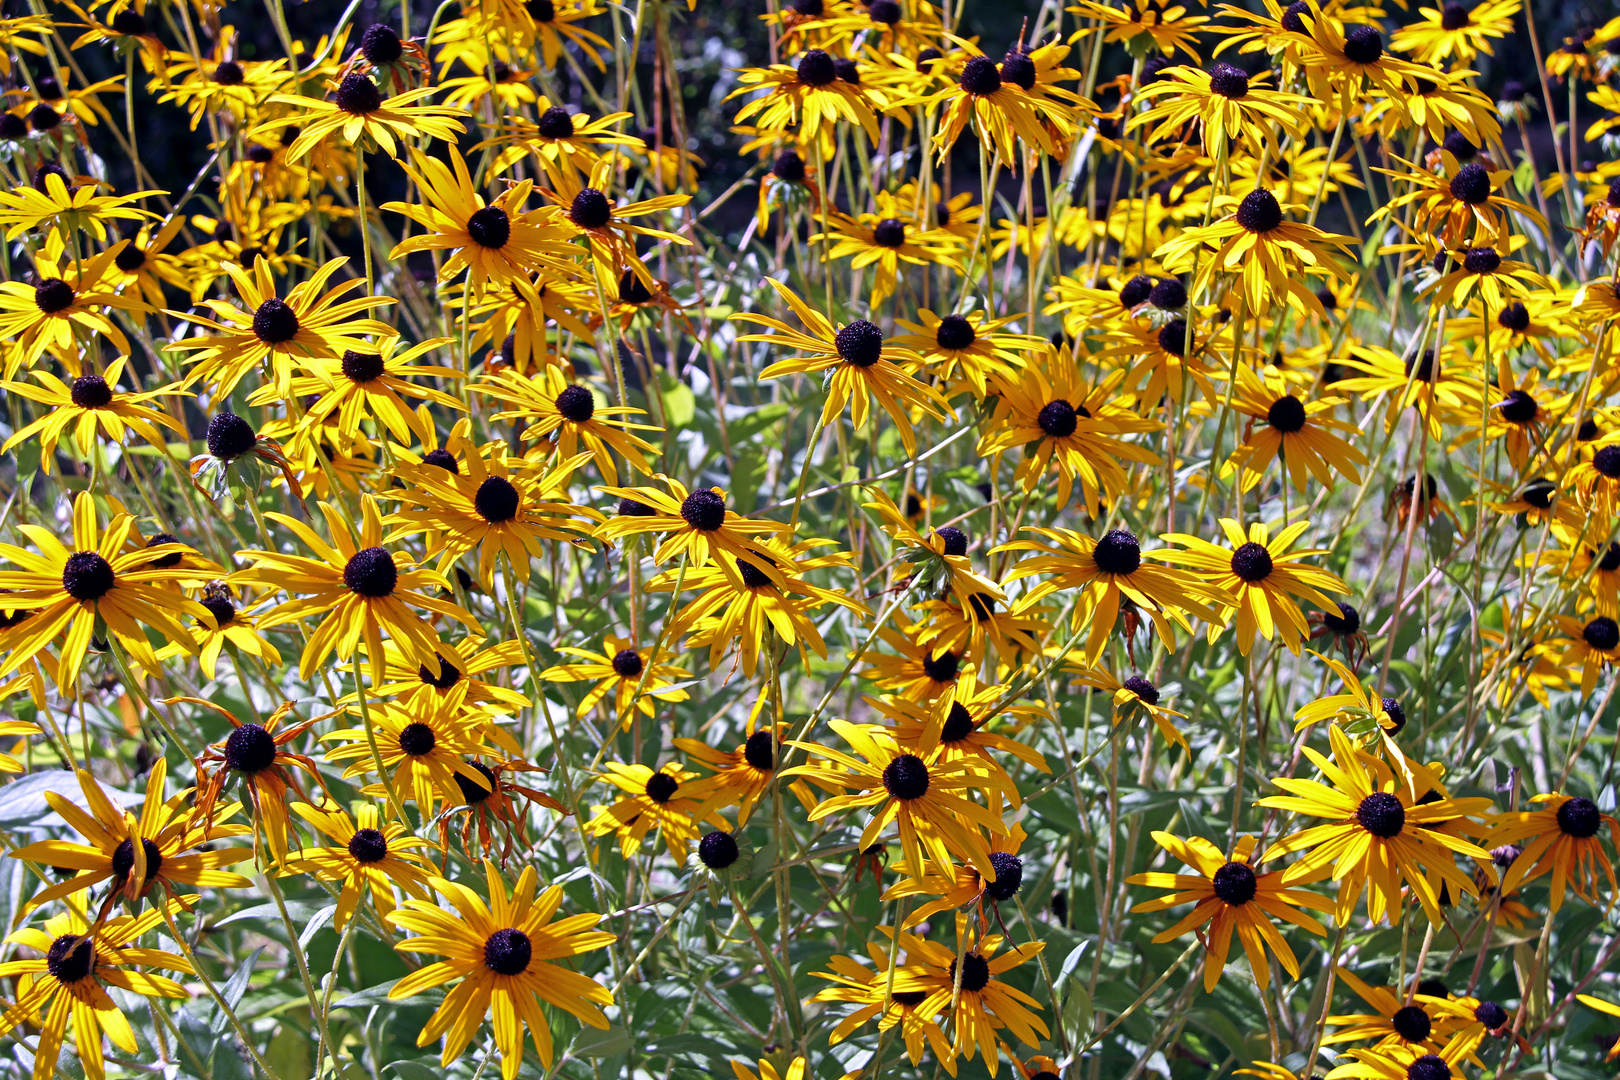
x,y
856,538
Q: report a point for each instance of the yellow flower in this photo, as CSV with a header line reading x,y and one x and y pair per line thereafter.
x,y
1377,834
370,857
505,952
860,366
1264,577
1230,896
69,978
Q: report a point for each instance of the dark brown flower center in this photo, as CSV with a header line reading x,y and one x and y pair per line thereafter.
x,y
906,777
368,846
1235,883
507,952
249,749
371,573
1381,814
87,576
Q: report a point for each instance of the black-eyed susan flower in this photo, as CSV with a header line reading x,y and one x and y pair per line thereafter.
x,y
371,858
1338,60
938,560
502,806
1110,577
494,241
664,800
856,363
1560,837
743,776
884,243
1375,836
420,750
621,670
1231,107
232,624
956,725
1455,31
358,111
1229,895
967,350
742,610
468,667
56,204
1270,255
138,854
260,758
871,991
281,333
1265,577
68,981
1404,1062
506,951
1423,1024
965,887
369,383
360,587
1303,435
1143,25
1065,425
67,300
90,406
1134,696
926,801
567,416
962,986
1000,109
807,96
609,227
497,505
916,671
96,581
697,526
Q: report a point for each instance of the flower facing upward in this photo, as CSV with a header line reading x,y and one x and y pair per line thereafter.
x,y
860,366
361,587
508,953
1377,835
69,978
928,802
697,526
68,590
498,505
1268,254
1231,896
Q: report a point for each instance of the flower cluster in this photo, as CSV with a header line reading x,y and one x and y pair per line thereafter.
x,y
1151,480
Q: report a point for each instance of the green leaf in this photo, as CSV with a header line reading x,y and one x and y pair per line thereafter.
x,y
427,1069
1077,1010
596,1043
364,999
679,403
233,990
